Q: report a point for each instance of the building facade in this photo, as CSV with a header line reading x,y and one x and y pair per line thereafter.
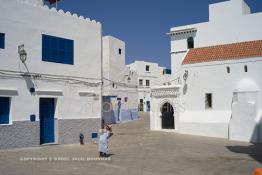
x,y
119,84
55,94
215,74
149,75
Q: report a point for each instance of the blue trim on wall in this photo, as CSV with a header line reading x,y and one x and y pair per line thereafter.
x,y
125,116
2,41
4,110
57,50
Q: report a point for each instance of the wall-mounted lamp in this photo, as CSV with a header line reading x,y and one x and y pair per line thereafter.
x,y
22,53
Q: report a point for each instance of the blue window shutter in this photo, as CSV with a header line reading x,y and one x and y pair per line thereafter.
x,y
57,50
4,110
2,40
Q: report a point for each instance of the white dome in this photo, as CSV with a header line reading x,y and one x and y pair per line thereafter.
x,y
246,85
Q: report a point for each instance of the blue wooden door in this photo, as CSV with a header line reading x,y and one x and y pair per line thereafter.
x,y
47,113
4,110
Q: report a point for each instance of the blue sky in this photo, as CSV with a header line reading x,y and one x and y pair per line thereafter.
x,y
143,24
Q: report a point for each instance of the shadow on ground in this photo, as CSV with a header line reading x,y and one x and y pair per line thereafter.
x,y
254,151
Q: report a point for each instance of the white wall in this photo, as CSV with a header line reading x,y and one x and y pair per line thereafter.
x,y
24,23
115,70
114,64
33,2
212,77
230,9
243,125
140,68
235,24
154,75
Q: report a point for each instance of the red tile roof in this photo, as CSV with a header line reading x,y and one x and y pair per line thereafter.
x,y
233,51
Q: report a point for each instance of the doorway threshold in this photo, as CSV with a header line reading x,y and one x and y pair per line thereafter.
x,y
170,130
49,144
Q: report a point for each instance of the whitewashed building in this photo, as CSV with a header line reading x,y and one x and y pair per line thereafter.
x,y
149,75
216,83
55,94
119,84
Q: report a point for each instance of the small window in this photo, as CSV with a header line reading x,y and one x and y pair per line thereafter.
x,y
147,68
228,69
190,43
2,40
168,71
147,83
119,99
246,68
4,110
119,51
208,101
126,99
140,82
57,50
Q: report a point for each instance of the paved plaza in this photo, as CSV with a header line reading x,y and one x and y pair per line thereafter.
x,y
136,150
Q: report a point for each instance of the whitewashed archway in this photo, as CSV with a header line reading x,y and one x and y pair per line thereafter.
x,y
160,96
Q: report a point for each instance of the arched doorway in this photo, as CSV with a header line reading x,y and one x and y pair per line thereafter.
x,y
167,116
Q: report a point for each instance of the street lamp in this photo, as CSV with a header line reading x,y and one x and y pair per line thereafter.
x,y
22,53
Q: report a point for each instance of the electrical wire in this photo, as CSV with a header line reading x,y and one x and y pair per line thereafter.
x,y
120,83
57,75
69,79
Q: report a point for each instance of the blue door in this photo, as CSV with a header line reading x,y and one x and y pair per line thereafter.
x,y
148,106
4,110
47,115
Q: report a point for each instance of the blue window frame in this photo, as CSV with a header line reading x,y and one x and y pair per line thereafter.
x,y
57,50
2,40
4,110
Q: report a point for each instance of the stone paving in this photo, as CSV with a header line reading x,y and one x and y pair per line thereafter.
x,y
137,151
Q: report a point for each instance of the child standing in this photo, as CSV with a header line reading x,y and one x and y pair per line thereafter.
x,y
105,134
